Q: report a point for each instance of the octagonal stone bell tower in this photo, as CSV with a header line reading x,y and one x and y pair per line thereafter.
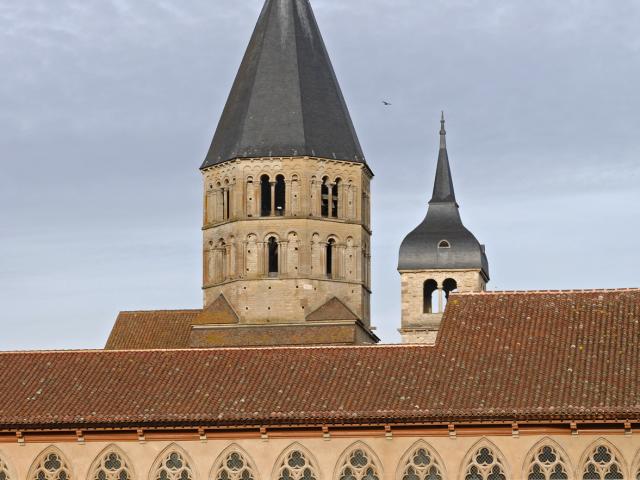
x,y
287,229
437,258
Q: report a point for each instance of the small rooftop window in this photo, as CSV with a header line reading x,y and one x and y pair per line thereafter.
x,y
444,244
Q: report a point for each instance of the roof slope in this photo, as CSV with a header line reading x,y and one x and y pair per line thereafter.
x,y
286,100
156,329
502,356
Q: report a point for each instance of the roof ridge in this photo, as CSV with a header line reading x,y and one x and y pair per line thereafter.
x,y
163,311
225,349
542,292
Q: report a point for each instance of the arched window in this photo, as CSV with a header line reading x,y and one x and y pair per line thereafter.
x,y
265,196
111,465
227,200
448,286
602,464
172,465
547,464
234,465
359,465
430,291
484,464
296,465
51,465
280,195
4,470
272,246
421,464
331,246
444,244
335,199
324,195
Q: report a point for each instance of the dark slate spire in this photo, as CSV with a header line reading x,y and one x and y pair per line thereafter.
x,y
443,188
441,241
286,100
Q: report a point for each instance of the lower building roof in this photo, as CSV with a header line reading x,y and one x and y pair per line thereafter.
x,y
511,356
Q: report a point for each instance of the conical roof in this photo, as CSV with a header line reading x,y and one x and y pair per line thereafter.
x,y
286,100
441,241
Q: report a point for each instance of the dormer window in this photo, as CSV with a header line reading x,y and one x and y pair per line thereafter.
x,y
444,244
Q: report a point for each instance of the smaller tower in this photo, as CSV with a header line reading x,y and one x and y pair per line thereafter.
x,y
439,257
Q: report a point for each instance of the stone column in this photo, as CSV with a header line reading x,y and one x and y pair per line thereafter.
x,y
287,199
273,198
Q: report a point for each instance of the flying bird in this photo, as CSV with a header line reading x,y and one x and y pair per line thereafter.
x,y
386,104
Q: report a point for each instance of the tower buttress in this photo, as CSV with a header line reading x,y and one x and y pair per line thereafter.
x,y
438,258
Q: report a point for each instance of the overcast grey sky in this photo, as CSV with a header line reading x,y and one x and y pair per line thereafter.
x,y
107,108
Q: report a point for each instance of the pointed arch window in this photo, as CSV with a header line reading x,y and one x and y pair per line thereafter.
x,y
173,466
485,464
359,465
602,464
547,463
234,466
112,466
51,466
422,465
4,470
297,466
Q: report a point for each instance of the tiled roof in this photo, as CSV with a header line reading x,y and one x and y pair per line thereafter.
x,y
159,329
500,357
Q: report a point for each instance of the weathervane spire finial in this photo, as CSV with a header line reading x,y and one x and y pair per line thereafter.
x,y
443,132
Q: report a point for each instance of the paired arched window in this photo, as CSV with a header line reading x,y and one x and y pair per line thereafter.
x,y
547,463
172,465
51,465
421,464
234,465
602,464
485,464
359,465
296,465
111,466
273,260
430,296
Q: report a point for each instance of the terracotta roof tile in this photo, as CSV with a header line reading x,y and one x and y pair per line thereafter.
x,y
158,329
505,356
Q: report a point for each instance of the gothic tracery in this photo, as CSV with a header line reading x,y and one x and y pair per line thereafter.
x,y
234,466
297,465
485,464
421,464
602,464
547,463
359,465
172,465
51,465
111,466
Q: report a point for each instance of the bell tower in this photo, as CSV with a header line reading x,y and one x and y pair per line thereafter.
x,y
437,258
287,229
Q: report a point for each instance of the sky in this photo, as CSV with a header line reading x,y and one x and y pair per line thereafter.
x,y
108,107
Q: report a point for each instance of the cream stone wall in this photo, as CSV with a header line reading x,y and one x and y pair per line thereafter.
x,y
237,234
389,456
420,327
